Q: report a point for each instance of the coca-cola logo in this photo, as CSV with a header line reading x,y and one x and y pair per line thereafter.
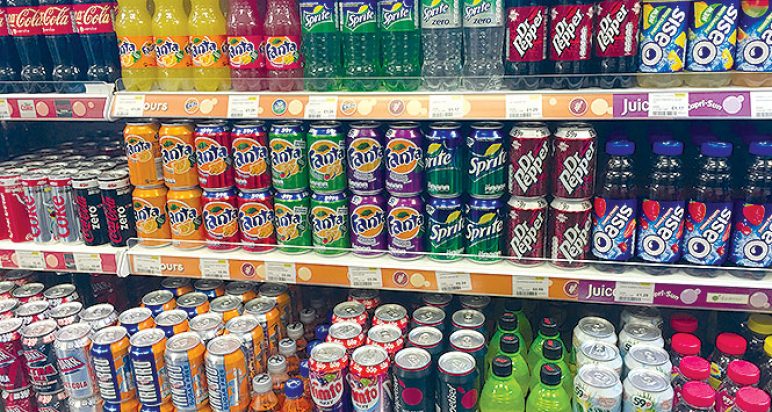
x,y
60,207
117,219
56,19
32,213
24,21
86,216
94,18
3,27
575,168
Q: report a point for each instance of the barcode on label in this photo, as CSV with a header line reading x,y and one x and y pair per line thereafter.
x,y
668,105
530,287
761,105
88,262
241,107
445,106
369,278
524,106
322,107
5,109
214,269
453,282
149,265
280,272
634,292
30,260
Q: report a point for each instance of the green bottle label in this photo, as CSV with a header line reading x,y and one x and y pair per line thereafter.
x,y
318,16
483,13
359,16
441,14
398,15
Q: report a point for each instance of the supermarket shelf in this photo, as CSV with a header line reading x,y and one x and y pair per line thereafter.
x,y
60,257
587,104
589,284
92,105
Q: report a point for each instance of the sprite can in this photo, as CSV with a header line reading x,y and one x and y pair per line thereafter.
x,y
329,223
289,168
443,164
326,157
291,221
487,169
446,228
484,229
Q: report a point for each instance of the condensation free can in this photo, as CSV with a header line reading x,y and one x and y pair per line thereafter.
x,y
364,155
444,160
67,226
326,157
413,380
457,374
487,157
330,223
529,153
368,224
117,206
484,218
73,354
597,388
404,156
369,379
445,225
526,235
185,371
406,224
293,228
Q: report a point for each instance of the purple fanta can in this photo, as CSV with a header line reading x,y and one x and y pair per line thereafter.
x,y
528,162
368,222
527,230
404,159
569,232
364,153
574,151
406,225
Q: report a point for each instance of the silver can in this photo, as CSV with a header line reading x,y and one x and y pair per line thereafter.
x,y
93,404
642,356
221,397
73,353
56,295
387,336
471,342
193,303
254,346
352,311
599,353
646,390
592,328
243,290
392,314
635,333
66,314
468,319
67,225
641,315
32,311
184,358
597,388
100,316
208,326
226,306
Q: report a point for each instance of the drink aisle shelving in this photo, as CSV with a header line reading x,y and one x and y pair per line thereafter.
x,y
59,257
93,105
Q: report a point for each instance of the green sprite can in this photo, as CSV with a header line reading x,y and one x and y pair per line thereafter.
x,y
444,160
329,223
487,163
291,220
446,228
289,165
484,229
326,157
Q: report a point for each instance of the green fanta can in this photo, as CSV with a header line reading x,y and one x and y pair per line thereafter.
x,y
329,223
446,228
289,165
444,161
484,229
291,220
487,169
326,157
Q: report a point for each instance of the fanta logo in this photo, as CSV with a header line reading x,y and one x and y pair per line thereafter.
x,y
211,157
184,220
403,156
256,220
249,157
289,223
165,47
529,167
367,221
528,31
489,226
610,26
326,157
574,240
405,223
177,155
364,155
149,218
138,149
169,53
286,158
242,51
365,393
281,51
327,390
221,220
319,14
329,224
363,15
525,236
396,13
204,51
492,160
69,364
576,168
566,31
449,229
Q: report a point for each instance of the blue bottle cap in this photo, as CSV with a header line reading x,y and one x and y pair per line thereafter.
x,y
311,345
303,369
716,149
321,331
620,147
761,148
293,388
669,148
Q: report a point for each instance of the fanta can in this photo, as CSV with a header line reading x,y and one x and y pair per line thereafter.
x,y
150,212
136,47
185,217
368,221
364,151
326,157
329,223
213,155
256,218
178,154
289,166
143,153
404,156
249,144
406,226
172,51
208,46
291,221
220,214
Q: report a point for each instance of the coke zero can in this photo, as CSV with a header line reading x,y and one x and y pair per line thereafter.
x,y
37,197
368,221
528,159
569,230
249,144
406,226
117,206
256,218
574,152
364,153
13,369
213,155
404,156
63,201
88,200
527,230
12,197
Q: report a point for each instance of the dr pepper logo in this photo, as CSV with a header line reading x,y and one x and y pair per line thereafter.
x,y
617,29
527,31
571,26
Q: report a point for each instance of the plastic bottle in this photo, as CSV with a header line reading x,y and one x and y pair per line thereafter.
x,y
682,345
523,323
711,47
27,33
501,393
9,64
510,347
507,323
570,50
552,353
208,46
277,369
483,43
663,43
548,329
753,64
303,373
757,329
442,42
739,374
63,45
294,401
766,366
400,44
525,43
308,319
681,322
263,397
361,43
322,64
696,397
288,348
729,347
94,26
136,46
616,41
751,399
295,332
549,395
172,51
246,48
691,368
283,58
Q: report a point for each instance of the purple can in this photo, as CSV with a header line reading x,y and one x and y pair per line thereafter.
x,y
406,222
404,159
364,153
368,218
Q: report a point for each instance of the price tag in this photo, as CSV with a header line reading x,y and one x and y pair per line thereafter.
x,y
453,282
444,106
280,272
761,105
214,269
530,287
88,262
30,260
366,278
524,106
322,107
129,105
5,109
668,105
727,298
243,107
634,292
147,265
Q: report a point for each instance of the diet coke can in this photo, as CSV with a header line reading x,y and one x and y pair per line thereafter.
x,y
256,218
405,220
12,197
527,230
368,221
569,230
37,197
528,159
404,156
88,200
117,206
574,152
365,158
249,146
13,369
63,201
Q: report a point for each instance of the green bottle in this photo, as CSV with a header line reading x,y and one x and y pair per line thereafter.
x,y
553,354
507,323
547,330
516,306
501,393
510,347
549,395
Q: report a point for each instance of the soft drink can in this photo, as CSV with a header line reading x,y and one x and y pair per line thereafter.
x,y
62,293
12,197
250,156
212,288
226,372
173,322
326,157
348,334
40,209
364,155
392,314
13,369
406,226
37,343
350,311
32,311
256,217
6,287
7,307
136,319
369,379
329,223
644,355
428,338
457,379
66,314
634,334
213,155
73,354
649,390
130,405
446,228
438,300
484,229
100,316
289,164
574,151
267,313
413,380
92,404
117,206
279,293
178,286
529,159
178,153
184,359
150,215
20,400
186,217
29,292
243,290
368,218
193,303
487,160
328,368
248,329
568,228
88,200
227,306
21,276
527,230
62,199
592,328
208,326
428,316
291,211
147,363
471,319
471,342
110,354
370,298
599,353
386,336
404,159
158,301
444,160
144,153
597,388
164,407
220,215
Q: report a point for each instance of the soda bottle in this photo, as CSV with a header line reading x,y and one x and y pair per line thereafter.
x,y
9,64
246,49
525,43
523,324
663,42
208,46
753,64
263,397
321,45
508,323
361,44
94,26
549,395
400,44
548,329
571,23
136,46
63,45
501,393
483,42
616,41
509,346
709,211
172,47
24,26
282,46
294,400
441,39
711,42
553,353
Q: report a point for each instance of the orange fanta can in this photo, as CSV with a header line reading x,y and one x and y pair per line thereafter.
x,y
143,153
185,217
179,155
150,211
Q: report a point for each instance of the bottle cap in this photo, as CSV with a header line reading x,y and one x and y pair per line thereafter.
x,y
760,323
277,364
321,331
509,343
293,388
683,322
761,148
716,149
308,315
262,383
620,147
295,331
750,399
686,344
694,368
310,346
550,374
743,372
502,366
552,350
508,321
668,148
303,368
287,347
549,328
731,344
698,394
513,305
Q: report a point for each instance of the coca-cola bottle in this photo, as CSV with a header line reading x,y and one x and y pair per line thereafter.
x,y
94,25
25,26
571,23
616,41
526,43
63,44
9,60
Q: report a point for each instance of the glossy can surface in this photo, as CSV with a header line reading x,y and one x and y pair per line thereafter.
x,y
178,153
293,228
529,160
368,224
213,155
484,229
220,217
110,353
185,370
568,229
487,158
526,234
226,373
185,213
256,221
326,157
364,155
144,153
289,157
406,224
444,160
445,225
150,215
404,157
330,223
149,367
250,156
574,151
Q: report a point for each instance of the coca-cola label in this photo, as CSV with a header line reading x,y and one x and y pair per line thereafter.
x,y
24,21
571,29
483,13
246,52
613,228
752,237
3,24
706,232
56,20
616,33
526,34
94,18
660,229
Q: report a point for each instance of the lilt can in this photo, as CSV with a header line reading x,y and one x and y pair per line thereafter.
x,y
597,388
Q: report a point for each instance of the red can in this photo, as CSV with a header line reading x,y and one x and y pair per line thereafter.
x,y
392,314
574,150
527,230
13,370
213,155
20,400
569,232
529,159
349,334
7,307
220,212
250,156
6,288
12,197
256,221
388,337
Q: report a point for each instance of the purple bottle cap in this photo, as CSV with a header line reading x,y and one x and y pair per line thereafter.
x,y
669,148
620,147
716,149
761,148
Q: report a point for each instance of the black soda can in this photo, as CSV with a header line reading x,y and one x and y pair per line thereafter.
x,y
458,383
413,380
117,206
37,343
88,201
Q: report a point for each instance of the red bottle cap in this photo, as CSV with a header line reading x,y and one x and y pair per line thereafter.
x,y
750,399
698,394
683,323
694,368
743,372
731,344
686,344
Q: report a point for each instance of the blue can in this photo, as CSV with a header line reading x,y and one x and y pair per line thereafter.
x,y
487,164
368,224
129,405
148,364
753,51
445,220
712,36
444,160
663,36
406,226
110,355
484,229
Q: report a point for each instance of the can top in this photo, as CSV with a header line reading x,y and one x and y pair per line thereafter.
x,y
648,355
456,363
134,316
598,376
12,176
413,359
364,294
110,335
475,302
437,299
642,332
345,330
328,353
574,125
18,274
223,345
530,130
272,290
390,312
10,325
259,306
192,299
206,322
527,203
34,179
370,360
66,310
250,123
429,315
76,331
569,205
97,312
6,286
384,333
39,329
171,317
114,179
157,297
183,342
175,283
648,380
28,290
242,324
467,340
403,125
8,304
487,125
325,124
425,336
86,179
224,303
349,309
35,307
599,351
468,318
208,284
59,291
147,337
60,178
597,328
365,124
238,288
445,125
287,123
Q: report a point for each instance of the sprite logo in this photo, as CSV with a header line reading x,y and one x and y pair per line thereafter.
x,y
438,157
398,12
476,8
355,19
491,161
315,16
434,9
490,226
451,228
